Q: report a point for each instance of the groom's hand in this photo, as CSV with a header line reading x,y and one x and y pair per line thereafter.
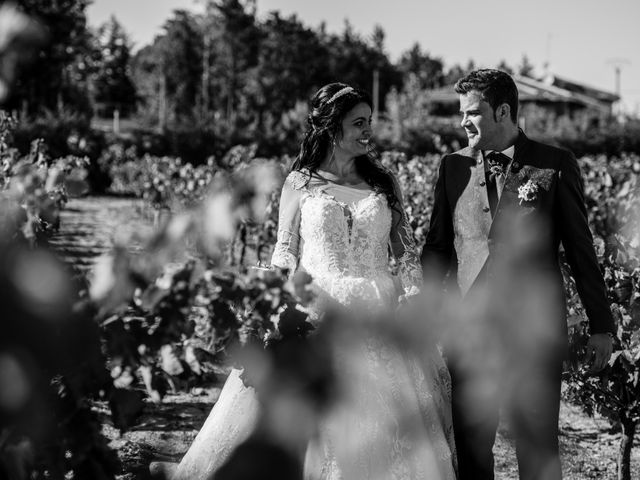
x,y
599,349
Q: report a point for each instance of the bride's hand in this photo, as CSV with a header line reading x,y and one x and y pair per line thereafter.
x,y
303,287
408,294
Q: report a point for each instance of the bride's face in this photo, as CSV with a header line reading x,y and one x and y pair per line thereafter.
x,y
356,131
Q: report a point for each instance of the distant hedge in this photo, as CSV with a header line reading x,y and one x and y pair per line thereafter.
x,y
72,135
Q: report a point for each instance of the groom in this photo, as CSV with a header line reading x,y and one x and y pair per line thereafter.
x,y
503,206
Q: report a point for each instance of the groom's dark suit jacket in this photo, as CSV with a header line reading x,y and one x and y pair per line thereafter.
x,y
465,240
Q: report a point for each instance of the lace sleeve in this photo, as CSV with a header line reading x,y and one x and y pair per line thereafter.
x,y
403,247
285,253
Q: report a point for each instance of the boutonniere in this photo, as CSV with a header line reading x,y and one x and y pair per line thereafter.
x,y
528,191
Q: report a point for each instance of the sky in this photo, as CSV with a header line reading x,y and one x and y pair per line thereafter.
x,y
582,40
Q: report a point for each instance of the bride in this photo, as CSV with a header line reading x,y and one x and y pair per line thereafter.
x,y
340,211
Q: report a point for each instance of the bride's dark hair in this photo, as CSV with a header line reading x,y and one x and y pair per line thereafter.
x,y
327,109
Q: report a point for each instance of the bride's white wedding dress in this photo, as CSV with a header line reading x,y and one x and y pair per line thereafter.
x,y
393,420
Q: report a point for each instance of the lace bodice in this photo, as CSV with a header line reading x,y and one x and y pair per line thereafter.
x,y
342,239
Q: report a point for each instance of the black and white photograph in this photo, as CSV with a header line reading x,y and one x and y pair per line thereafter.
x,y
319,240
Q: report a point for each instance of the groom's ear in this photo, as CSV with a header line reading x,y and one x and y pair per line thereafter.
x,y
503,113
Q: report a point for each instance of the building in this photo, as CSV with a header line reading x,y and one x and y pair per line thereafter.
x,y
552,95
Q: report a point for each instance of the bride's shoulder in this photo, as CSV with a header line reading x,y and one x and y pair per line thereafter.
x,y
298,179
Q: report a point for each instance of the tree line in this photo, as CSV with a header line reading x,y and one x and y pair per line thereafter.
x,y
225,67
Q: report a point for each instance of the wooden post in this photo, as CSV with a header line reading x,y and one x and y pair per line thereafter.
x,y
376,94
162,102
116,121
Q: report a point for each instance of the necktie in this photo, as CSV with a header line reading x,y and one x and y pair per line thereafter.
x,y
497,169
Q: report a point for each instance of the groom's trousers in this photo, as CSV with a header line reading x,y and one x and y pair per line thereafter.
x,y
527,397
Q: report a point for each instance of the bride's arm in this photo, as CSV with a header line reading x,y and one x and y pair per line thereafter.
x,y
285,253
403,246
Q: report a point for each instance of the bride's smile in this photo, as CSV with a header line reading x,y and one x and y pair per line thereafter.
x,y
356,132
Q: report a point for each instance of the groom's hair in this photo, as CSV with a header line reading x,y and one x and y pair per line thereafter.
x,y
495,86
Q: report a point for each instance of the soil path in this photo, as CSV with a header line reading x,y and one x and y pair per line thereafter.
x,y
88,228
89,225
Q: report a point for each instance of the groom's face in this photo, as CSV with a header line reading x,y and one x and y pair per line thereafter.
x,y
479,121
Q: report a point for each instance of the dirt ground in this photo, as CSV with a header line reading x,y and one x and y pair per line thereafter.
x,y
588,445
165,431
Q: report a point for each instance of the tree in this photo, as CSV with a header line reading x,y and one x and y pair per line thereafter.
x,y
168,73
454,73
243,78
113,87
232,39
525,68
181,63
471,65
429,71
58,78
147,77
408,113
21,37
292,63
353,60
505,67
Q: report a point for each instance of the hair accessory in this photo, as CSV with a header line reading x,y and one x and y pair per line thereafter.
x,y
340,93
